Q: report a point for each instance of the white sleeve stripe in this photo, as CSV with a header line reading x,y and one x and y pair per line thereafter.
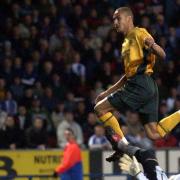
x,y
141,176
160,174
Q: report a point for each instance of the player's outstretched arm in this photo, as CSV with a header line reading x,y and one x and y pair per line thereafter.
x,y
155,48
112,89
117,85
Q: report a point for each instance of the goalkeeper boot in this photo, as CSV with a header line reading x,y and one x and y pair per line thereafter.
x,y
113,139
115,156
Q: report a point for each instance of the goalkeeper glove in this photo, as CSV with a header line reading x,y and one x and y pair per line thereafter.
x,y
129,165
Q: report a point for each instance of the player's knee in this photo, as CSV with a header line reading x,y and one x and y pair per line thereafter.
x,y
151,130
98,109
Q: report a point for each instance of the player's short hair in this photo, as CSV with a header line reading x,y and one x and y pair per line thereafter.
x,y
126,10
70,130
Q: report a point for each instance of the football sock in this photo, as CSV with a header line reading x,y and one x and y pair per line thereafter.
x,y
109,119
167,124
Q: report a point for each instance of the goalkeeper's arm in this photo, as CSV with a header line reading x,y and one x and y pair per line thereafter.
x,y
131,166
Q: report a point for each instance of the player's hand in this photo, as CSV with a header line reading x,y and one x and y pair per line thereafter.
x,y
149,42
101,96
129,165
55,174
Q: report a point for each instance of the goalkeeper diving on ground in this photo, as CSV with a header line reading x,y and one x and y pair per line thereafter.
x,y
152,170
130,156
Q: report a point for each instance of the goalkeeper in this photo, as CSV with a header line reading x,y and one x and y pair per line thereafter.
x,y
152,170
133,155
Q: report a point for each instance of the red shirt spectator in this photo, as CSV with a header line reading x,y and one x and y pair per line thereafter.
x,y
71,166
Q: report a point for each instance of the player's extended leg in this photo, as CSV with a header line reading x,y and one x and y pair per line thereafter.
x,y
103,110
167,124
158,130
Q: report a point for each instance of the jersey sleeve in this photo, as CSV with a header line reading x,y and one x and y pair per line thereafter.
x,y
160,175
142,35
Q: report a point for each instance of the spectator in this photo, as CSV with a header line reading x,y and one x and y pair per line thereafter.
x,y
48,100
98,87
17,67
71,166
59,61
171,99
78,68
43,49
27,98
46,27
36,58
93,20
70,101
161,26
162,88
170,141
68,51
6,70
133,123
38,89
23,118
11,136
2,88
8,52
55,41
144,141
27,49
95,41
172,38
89,125
34,32
57,115
37,110
3,116
135,133
69,122
176,104
59,88
107,73
29,76
36,135
80,114
99,140
9,104
46,74
163,110
104,28
17,88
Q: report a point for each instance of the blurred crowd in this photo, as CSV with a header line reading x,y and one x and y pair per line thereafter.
x,y
56,56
